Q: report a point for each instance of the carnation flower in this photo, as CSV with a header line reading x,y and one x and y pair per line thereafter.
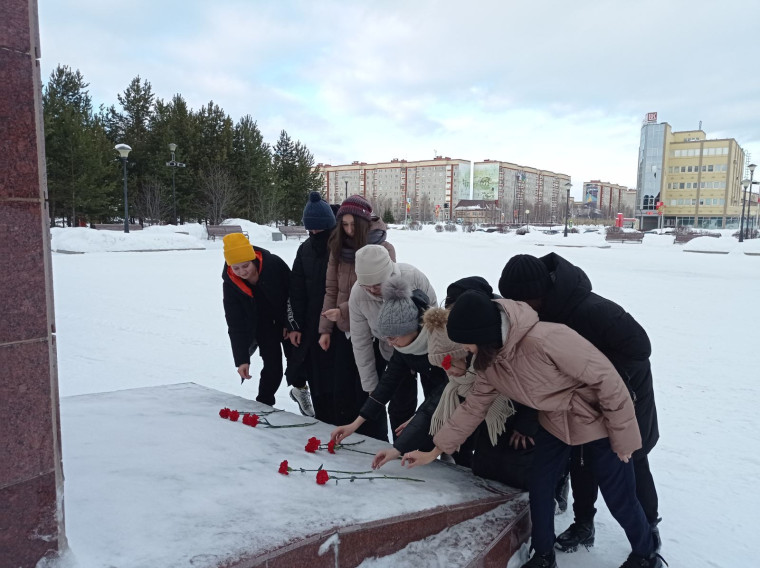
x,y
322,477
313,445
446,363
331,446
224,413
284,468
234,415
250,420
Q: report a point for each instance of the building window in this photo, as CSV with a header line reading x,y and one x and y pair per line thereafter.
x,y
681,185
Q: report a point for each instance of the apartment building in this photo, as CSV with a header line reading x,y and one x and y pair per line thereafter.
x,y
605,200
423,190
523,193
697,180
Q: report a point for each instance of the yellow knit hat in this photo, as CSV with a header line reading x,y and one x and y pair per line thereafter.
x,y
237,249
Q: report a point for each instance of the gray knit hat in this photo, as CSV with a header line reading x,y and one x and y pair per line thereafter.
x,y
399,314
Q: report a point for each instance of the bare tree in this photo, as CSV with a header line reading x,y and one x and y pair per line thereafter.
x,y
426,209
267,205
219,192
154,202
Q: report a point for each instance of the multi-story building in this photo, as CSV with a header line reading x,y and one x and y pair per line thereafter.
x,y
605,200
477,211
424,190
697,180
523,193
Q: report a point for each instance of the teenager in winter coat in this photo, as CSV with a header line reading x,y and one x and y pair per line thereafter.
x,y
307,293
580,397
400,322
255,290
356,228
374,266
560,292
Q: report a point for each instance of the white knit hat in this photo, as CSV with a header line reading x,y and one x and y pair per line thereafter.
x,y
373,265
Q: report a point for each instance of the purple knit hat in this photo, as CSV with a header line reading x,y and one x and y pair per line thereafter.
x,y
357,206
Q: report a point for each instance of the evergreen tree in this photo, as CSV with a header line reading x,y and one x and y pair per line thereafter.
x,y
388,216
212,149
252,166
294,176
78,152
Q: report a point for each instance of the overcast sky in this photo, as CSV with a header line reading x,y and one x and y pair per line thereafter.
x,y
561,85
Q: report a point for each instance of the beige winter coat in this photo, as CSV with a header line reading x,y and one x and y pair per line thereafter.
x,y
548,366
364,309
338,282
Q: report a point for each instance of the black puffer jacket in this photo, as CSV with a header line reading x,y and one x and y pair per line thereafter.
x,y
610,329
307,292
402,367
246,305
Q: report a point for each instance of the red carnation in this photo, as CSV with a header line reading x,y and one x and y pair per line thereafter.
x,y
234,415
331,446
313,445
224,413
250,419
284,469
322,477
446,363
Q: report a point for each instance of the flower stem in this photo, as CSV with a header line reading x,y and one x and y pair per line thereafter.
x,y
268,424
302,470
353,478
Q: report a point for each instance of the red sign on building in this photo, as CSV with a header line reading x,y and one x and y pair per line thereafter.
x,y
651,117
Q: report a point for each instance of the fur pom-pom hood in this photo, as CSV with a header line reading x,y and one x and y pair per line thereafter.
x,y
436,318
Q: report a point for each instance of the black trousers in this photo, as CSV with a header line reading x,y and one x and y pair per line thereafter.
x,y
586,488
616,480
270,347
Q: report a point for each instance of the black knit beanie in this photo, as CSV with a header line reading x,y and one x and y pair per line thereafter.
x,y
459,287
524,277
317,215
474,319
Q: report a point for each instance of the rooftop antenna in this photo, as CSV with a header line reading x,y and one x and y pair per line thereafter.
x,y
700,125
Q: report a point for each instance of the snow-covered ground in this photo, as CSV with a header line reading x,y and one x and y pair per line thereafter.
x,y
136,319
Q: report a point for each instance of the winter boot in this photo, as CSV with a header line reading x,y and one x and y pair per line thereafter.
x,y
576,535
656,535
545,560
560,495
302,397
636,561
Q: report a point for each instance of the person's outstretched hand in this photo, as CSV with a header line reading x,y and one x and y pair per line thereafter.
x,y
384,456
416,458
342,432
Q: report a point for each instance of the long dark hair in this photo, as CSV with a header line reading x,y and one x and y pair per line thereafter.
x,y
339,238
486,356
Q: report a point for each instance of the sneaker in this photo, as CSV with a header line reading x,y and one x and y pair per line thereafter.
x,y
576,535
302,397
545,560
636,561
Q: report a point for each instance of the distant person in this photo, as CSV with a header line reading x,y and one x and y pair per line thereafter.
x,y
560,292
307,294
580,397
357,227
255,289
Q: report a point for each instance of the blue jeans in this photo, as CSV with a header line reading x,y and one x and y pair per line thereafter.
x,y
617,483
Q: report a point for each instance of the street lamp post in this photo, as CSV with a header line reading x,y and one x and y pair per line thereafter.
x,y
124,151
527,219
746,184
173,164
346,181
568,185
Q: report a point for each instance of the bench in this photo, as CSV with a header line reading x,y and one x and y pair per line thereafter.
x,y
222,230
682,238
116,227
623,237
293,231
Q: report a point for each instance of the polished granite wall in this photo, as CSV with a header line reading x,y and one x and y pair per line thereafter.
x,y
31,478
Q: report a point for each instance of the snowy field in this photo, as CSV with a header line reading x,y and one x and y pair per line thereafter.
x,y
137,319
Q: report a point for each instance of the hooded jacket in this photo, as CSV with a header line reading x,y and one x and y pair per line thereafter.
x,y
246,305
340,279
610,329
579,395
